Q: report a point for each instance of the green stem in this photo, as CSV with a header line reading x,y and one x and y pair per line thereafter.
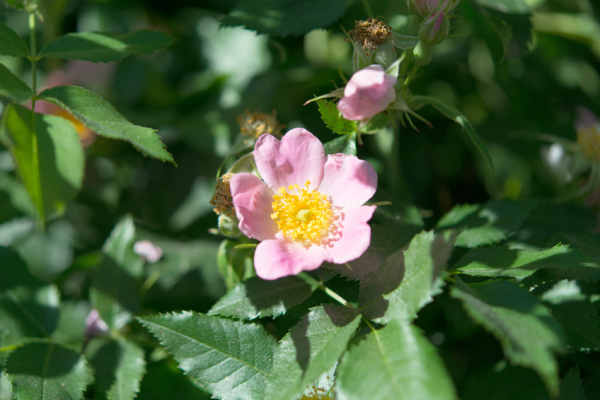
x,y
367,7
33,55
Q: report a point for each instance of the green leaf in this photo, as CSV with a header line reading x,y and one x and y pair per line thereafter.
x,y
49,157
101,117
256,298
231,262
450,111
114,292
344,144
394,363
71,327
503,382
311,347
507,6
375,124
165,381
582,27
286,17
13,87
119,367
15,230
385,240
484,225
515,32
106,46
570,386
28,306
407,280
527,331
581,323
11,44
229,359
333,118
404,41
563,263
45,371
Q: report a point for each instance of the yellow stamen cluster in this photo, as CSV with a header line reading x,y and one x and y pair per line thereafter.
x,y
370,33
302,214
222,199
256,124
589,141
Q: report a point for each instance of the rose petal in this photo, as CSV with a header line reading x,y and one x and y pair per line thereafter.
x,y
297,158
348,180
354,234
281,257
252,201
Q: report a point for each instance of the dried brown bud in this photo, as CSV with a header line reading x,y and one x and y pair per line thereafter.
x,y
256,124
370,33
222,199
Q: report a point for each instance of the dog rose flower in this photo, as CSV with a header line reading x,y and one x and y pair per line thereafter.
x,y
367,93
309,208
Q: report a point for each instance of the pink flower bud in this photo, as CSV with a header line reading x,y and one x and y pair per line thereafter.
x,y
367,93
94,325
435,28
148,251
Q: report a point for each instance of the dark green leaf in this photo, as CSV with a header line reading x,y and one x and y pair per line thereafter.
x,y
376,124
312,347
28,306
507,6
13,87
106,46
503,382
45,371
11,44
101,117
394,363
407,280
50,158
563,263
344,144
119,367
71,327
232,263
229,359
570,386
527,331
484,225
450,111
515,32
165,381
581,323
256,298
333,118
286,17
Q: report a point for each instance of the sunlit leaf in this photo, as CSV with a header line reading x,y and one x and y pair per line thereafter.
x,y
344,144
333,118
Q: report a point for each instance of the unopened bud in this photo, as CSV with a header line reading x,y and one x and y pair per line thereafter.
x,y
425,7
587,126
229,224
423,53
148,251
435,28
94,325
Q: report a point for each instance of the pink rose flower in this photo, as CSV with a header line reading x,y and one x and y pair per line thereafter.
x,y
148,251
308,210
367,93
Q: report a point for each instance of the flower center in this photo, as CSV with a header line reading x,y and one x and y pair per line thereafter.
x,y
302,214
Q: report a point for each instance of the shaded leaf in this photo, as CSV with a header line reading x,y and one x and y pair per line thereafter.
x,y
450,111
311,347
232,263
46,371
50,158
256,298
286,17
13,87
15,230
333,118
503,383
394,363
527,331
165,381
101,117
507,6
106,46
375,124
344,144
11,44
581,323
229,359
407,280
515,32
560,261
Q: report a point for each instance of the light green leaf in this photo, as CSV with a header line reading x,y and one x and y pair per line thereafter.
x,y
563,263
256,298
11,44
232,263
119,367
50,157
484,225
106,46
13,87
45,371
284,17
101,117
333,118
311,347
407,280
507,6
71,327
114,292
28,306
394,363
450,111
344,144
582,27
229,359
15,230
526,329
404,41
